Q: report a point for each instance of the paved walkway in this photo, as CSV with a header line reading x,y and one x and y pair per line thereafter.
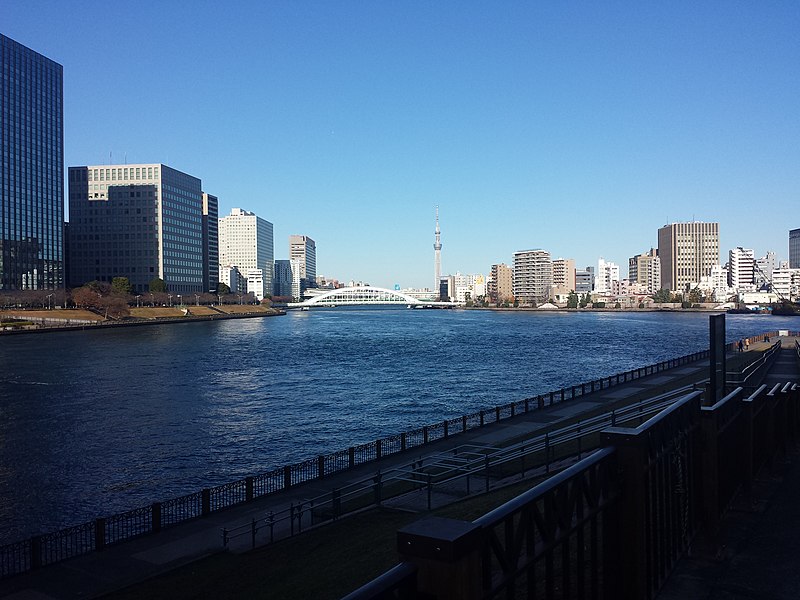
x,y
758,552
121,565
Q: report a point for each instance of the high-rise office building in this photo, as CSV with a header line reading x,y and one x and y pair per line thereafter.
x,y
304,250
794,249
210,242
687,252
246,242
282,278
533,276
31,169
140,221
501,283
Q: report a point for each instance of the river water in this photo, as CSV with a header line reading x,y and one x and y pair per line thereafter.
x,y
97,422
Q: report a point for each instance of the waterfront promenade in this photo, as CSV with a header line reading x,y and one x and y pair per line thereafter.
x,y
124,564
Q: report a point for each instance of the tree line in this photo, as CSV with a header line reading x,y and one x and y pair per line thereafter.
x,y
115,299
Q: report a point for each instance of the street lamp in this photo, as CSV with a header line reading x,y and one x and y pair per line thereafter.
x,y
240,299
219,299
152,299
49,302
137,301
197,299
170,300
180,300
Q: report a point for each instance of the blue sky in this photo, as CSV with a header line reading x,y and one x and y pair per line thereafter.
x,y
577,127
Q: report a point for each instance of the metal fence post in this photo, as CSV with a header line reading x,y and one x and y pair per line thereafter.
x,y
403,441
351,456
248,489
99,533
155,514
320,466
205,501
631,515
378,449
287,477
447,554
36,552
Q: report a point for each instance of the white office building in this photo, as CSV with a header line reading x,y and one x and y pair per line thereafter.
x,y
246,242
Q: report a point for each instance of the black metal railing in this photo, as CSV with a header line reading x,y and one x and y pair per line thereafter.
x,y
614,524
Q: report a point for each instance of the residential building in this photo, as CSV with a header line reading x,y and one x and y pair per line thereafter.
x,y
255,283
715,284
564,273
533,276
764,268
245,241
282,278
31,169
501,284
607,274
142,221
472,285
583,282
687,252
210,242
645,269
232,277
794,249
741,272
304,250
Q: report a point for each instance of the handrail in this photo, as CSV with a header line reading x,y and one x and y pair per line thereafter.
x,y
724,400
392,579
513,505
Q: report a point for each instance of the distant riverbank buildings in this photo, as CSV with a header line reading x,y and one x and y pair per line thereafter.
x,y
533,276
142,221
31,169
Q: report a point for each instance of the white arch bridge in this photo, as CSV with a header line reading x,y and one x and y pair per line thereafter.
x,y
362,295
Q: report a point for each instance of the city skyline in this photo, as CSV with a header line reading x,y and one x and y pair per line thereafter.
x,y
580,130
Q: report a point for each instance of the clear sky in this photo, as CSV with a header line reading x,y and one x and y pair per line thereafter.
x,y
577,127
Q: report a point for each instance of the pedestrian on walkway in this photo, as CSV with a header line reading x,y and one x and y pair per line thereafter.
x,y
741,346
747,343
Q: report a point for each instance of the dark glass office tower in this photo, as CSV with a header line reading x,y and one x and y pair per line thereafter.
x,y
31,169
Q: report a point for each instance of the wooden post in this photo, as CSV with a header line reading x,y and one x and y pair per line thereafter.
x,y
447,555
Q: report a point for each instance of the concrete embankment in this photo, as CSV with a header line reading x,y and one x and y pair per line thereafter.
x,y
50,324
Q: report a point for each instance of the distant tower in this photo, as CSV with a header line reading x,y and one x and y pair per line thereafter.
x,y
437,253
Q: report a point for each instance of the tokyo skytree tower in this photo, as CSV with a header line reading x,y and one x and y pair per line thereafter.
x,y
437,254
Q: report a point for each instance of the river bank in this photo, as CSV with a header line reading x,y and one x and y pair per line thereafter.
x,y
15,322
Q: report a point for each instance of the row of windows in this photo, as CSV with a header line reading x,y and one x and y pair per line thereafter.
x,y
119,173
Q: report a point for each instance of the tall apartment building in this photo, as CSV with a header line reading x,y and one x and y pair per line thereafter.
x,y
31,169
794,249
140,221
741,271
645,269
304,250
607,274
764,268
533,276
210,242
564,273
246,242
501,283
687,252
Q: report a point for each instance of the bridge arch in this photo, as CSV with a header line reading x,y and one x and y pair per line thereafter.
x,y
360,295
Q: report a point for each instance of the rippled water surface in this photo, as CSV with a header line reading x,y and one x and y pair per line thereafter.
x,y
97,422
